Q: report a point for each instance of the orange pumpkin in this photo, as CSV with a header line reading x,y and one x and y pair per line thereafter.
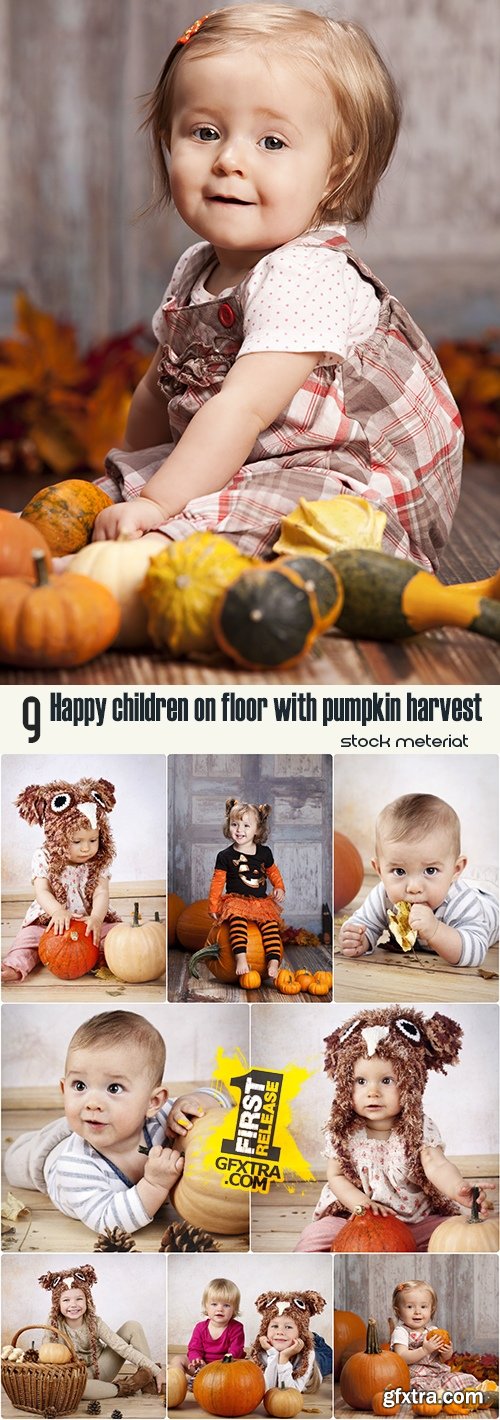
x,y
287,983
68,954
348,1328
66,512
320,984
18,542
348,871
220,959
444,1336
379,1406
175,907
458,1407
250,980
54,622
426,1407
304,976
194,925
371,1371
176,1387
371,1232
229,1387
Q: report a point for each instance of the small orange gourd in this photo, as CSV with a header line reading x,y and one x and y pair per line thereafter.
x,y
18,542
283,1402
68,954
379,1406
427,1407
176,1387
458,1407
444,1336
54,621
250,980
320,984
304,976
287,983
66,512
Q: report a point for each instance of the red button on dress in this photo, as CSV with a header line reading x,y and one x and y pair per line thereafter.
x,y
226,314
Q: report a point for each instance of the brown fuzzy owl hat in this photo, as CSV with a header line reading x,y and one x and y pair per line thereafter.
x,y
82,1278
414,1046
300,1306
61,808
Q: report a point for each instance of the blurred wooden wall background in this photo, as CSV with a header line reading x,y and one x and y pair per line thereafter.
x,y
74,170
466,1287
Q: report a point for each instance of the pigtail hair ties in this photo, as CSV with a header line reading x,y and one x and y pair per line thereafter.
x,y
193,29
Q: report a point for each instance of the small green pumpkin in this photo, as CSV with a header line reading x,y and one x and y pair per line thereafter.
x,y
270,616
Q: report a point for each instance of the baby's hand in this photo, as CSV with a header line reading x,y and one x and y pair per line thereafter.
x,y
182,1113
353,940
59,921
431,1345
423,921
194,1366
131,520
379,1208
279,896
163,1167
446,1352
94,928
292,1350
465,1197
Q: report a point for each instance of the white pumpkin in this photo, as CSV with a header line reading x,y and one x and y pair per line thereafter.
x,y
121,566
135,951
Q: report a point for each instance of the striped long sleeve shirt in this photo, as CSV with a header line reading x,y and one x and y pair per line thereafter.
x,y
83,1184
472,911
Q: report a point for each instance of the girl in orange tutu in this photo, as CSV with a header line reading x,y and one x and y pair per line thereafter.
x,y
238,891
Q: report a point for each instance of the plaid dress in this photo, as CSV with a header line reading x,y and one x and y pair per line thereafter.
x,y
381,424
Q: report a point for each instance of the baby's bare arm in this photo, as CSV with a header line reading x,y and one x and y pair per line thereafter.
x,y
162,1169
148,422
60,918
216,443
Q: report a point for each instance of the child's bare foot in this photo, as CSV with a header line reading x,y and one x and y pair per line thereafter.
x,y
241,964
273,969
9,973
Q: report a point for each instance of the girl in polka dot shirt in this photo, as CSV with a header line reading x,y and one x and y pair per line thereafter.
x,y
284,369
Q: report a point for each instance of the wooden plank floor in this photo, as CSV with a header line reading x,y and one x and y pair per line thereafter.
x,y
319,1404
448,657
42,985
278,1218
43,1228
183,987
413,976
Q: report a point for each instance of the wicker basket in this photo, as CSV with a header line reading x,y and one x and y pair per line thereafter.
x,y
38,1386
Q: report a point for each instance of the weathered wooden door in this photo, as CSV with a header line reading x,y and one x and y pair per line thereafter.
x,y
299,789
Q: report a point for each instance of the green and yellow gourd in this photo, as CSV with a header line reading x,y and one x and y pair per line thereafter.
x,y
271,615
387,599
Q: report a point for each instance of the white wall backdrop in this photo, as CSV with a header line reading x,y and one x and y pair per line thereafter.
x,y
137,822
35,1039
130,1287
188,1277
363,784
463,1103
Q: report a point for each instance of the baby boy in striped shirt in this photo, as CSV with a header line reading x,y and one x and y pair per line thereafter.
x,y
420,863
110,1161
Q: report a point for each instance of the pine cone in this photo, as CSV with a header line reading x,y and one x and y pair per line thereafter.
x,y
50,1413
114,1240
116,1415
31,1355
94,1407
183,1237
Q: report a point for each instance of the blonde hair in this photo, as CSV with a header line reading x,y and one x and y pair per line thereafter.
x,y
403,1287
413,815
221,1289
365,99
122,1028
235,810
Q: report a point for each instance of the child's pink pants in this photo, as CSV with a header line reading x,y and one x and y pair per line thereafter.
x,y
319,1235
23,954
